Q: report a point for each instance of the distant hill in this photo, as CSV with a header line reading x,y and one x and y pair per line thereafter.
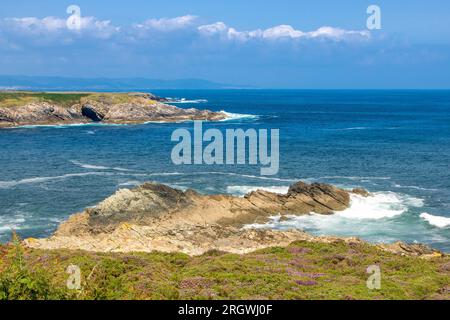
x,y
102,84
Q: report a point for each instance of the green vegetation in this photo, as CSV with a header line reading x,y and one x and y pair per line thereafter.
x,y
302,270
12,99
64,99
19,282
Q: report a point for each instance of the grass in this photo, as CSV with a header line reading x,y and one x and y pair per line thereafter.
x,y
15,99
302,270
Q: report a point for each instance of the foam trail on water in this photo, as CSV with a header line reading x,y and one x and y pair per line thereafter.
x,y
354,178
130,183
242,176
437,221
97,167
414,187
13,221
13,183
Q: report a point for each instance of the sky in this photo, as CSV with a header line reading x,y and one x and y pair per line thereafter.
x,y
320,44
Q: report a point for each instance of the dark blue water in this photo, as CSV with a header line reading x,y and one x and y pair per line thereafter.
x,y
396,144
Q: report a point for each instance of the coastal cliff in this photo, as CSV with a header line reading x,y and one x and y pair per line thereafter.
x,y
28,108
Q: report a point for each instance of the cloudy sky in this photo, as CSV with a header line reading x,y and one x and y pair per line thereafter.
x,y
273,44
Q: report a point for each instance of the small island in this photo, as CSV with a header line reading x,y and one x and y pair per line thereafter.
x,y
20,108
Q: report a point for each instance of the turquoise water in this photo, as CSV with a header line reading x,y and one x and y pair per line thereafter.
x,y
396,144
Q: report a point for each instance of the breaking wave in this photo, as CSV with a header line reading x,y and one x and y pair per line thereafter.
x,y
379,205
366,215
436,221
238,116
184,100
243,190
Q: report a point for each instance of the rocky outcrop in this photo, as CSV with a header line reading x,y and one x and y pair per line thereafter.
x,y
153,203
158,217
414,249
101,107
39,113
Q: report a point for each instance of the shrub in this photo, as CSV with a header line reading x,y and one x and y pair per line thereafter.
x,y
18,282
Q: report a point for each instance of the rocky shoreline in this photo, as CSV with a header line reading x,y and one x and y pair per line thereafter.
x,y
156,217
25,108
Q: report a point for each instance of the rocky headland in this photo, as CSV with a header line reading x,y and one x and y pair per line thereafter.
x,y
30,108
156,217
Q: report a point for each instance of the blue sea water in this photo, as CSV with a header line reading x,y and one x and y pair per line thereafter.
x,y
396,144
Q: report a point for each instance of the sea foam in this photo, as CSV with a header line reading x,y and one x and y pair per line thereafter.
x,y
238,116
437,221
184,100
243,190
379,205
362,217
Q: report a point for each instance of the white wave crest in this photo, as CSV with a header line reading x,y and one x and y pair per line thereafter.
x,y
379,205
238,116
437,221
243,190
375,222
361,218
130,183
184,100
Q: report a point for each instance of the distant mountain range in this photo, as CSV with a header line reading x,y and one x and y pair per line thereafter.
x,y
103,84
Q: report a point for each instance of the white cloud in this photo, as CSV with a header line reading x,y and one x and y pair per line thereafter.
x,y
35,25
211,29
167,24
99,28
53,25
55,28
280,31
337,33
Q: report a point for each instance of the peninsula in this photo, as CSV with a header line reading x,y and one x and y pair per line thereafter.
x,y
59,108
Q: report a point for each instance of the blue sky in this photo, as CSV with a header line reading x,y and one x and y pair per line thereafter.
x,y
274,44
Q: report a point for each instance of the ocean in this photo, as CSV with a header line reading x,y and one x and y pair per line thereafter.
x,y
395,144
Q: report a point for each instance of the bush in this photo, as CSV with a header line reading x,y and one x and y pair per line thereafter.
x,y
18,282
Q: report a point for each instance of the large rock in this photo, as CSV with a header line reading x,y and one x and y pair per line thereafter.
x,y
155,201
158,217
